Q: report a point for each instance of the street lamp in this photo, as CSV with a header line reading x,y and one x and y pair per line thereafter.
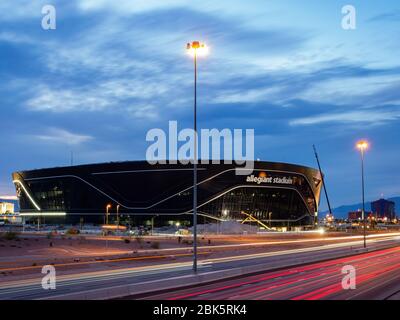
x,y
107,208
363,146
270,214
118,216
152,224
195,49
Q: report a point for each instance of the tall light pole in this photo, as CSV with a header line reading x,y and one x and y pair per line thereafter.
x,y
362,146
195,48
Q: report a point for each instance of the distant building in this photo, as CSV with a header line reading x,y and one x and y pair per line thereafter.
x,y
6,207
357,215
383,209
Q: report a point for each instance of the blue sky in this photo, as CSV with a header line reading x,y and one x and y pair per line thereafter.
x,y
112,70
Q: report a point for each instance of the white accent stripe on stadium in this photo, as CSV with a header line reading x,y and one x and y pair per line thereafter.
x,y
140,171
43,214
27,193
247,186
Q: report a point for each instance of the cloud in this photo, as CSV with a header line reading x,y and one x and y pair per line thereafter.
x,y
22,10
122,64
90,55
148,41
387,16
351,89
66,100
110,95
334,84
143,112
249,96
15,38
367,117
137,64
128,6
61,136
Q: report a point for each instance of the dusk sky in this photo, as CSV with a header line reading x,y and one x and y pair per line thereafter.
x,y
112,70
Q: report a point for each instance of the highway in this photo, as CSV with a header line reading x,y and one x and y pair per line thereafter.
x,y
68,259
81,282
377,277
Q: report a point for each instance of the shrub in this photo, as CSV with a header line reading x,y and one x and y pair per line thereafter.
x,y
139,240
155,245
126,240
72,231
10,235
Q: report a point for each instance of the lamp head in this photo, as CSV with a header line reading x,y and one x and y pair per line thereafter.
x,y
197,48
362,145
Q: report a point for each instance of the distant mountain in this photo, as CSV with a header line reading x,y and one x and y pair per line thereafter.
x,y
342,211
16,203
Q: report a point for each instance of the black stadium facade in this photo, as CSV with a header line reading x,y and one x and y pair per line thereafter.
x,y
277,193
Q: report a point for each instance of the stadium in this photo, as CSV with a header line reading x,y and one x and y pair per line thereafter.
x,y
276,194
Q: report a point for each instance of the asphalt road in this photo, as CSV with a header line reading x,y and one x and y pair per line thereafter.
x,y
80,282
377,277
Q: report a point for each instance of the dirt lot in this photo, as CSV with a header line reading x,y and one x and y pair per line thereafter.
x,y
27,253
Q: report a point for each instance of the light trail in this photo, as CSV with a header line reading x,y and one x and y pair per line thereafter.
x,y
311,282
101,261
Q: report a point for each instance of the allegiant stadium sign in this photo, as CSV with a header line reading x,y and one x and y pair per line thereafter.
x,y
272,180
